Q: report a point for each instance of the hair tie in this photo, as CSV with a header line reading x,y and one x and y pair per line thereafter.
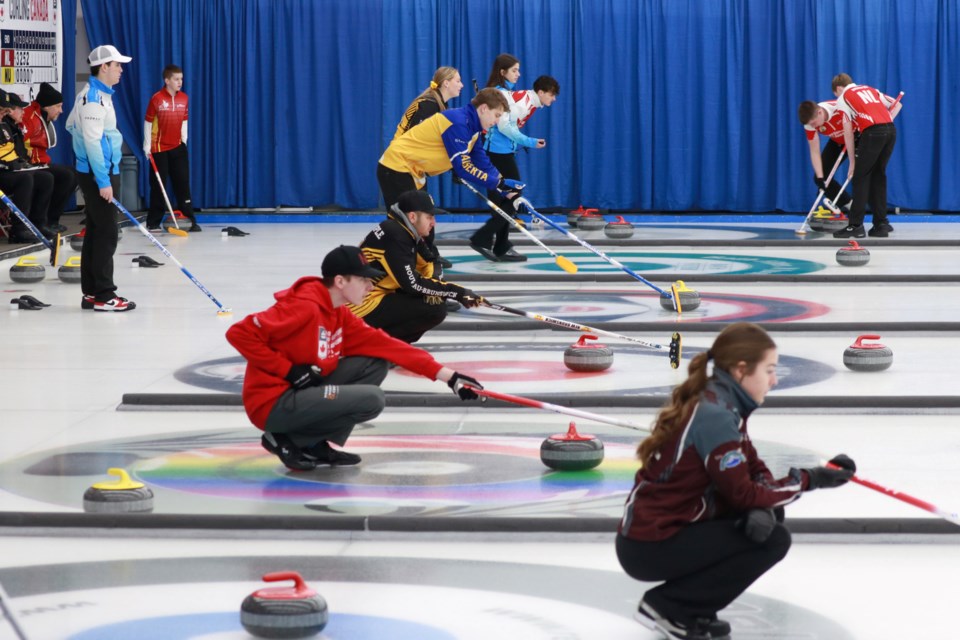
x,y
709,363
433,85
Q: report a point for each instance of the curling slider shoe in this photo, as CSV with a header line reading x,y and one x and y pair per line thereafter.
x,y
146,262
19,304
34,301
233,232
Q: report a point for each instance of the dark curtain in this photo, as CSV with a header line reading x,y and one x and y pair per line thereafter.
x,y
63,152
664,104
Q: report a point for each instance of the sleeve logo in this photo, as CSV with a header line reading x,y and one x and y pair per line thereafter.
x,y
730,460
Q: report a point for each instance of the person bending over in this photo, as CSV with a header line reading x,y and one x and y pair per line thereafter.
x,y
409,299
314,369
705,513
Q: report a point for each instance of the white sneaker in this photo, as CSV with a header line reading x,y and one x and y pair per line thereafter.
x,y
115,304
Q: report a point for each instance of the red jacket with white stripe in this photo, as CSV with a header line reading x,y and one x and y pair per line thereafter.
x,y
865,106
833,127
709,470
303,327
38,134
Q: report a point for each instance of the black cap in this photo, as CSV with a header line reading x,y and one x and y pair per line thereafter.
x,y
14,100
418,200
48,96
348,261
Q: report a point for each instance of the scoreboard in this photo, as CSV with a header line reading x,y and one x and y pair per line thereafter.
x,y
30,45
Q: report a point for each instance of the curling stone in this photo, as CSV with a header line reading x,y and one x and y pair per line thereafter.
x,y
27,270
588,357
836,223
853,256
123,496
571,451
70,271
76,241
619,228
867,357
591,221
827,221
574,215
284,612
689,298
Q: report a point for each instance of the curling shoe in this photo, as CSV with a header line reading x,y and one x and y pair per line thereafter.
x,y
851,232
651,619
323,453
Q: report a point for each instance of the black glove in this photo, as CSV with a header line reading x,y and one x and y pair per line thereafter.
x,y
469,299
458,382
510,188
758,524
844,462
302,376
827,478
821,183
457,179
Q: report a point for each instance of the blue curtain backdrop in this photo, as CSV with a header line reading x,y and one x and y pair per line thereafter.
x,y
664,104
62,153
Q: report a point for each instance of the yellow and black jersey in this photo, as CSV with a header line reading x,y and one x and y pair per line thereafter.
x,y
418,111
408,263
441,142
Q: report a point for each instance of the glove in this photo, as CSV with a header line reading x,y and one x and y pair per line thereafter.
x,y
302,376
758,524
469,299
821,183
458,383
457,179
844,462
827,478
510,188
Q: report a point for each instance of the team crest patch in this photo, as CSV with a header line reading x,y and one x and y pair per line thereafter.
x,y
730,460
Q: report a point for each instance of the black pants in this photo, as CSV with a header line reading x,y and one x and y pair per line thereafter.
x,y
828,157
406,316
175,165
64,184
349,395
495,232
30,191
870,175
705,566
100,241
393,183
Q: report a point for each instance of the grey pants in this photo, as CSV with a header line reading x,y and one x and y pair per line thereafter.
x,y
349,395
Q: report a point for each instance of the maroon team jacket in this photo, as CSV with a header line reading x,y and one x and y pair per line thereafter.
x,y
708,470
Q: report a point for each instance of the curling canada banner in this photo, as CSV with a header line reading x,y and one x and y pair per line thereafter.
x,y
31,44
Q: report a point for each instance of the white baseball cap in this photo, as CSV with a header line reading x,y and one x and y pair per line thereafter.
x,y
106,53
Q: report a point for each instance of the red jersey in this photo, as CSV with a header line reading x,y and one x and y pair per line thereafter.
x,y
303,327
166,116
865,106
38,134
833,127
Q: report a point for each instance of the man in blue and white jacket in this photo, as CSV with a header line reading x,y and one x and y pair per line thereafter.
x,y
97,144
491,240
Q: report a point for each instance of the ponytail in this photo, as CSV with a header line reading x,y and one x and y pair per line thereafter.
x,y
741,342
